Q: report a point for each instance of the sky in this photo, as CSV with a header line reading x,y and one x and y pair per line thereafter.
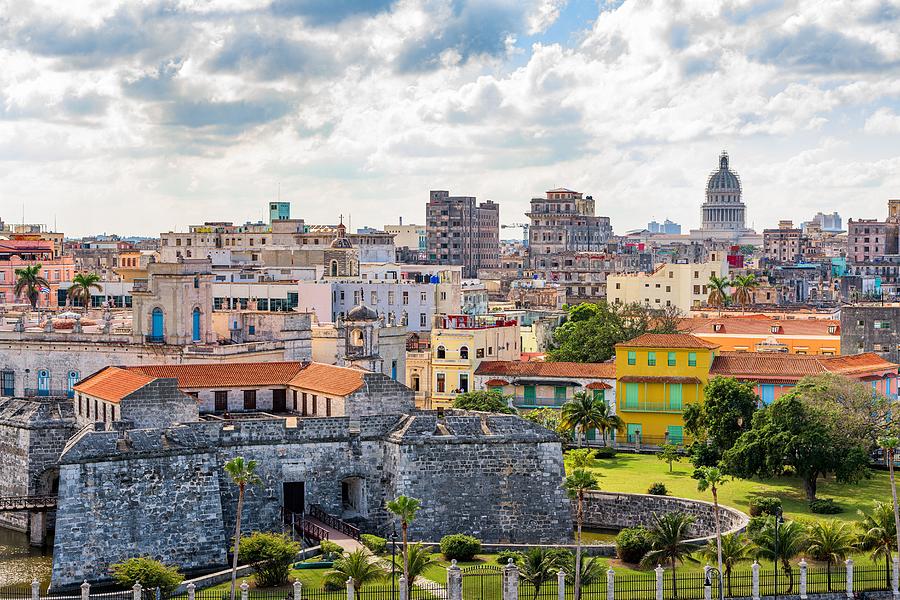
x,y
146,116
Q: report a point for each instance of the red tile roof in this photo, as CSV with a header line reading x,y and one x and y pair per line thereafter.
x,y
667,340
598,385
225,374
792,367
112,384
495,382
329,379
514,368
760,325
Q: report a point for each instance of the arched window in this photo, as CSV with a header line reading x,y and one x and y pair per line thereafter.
x,y
356,337
71,380
334,268
195,324
441,352
464,353
43,381
156,324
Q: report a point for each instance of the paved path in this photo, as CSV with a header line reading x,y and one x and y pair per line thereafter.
x,y
341,539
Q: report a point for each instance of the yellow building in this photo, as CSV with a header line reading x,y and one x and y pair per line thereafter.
x,y
459,343
657,375
670,284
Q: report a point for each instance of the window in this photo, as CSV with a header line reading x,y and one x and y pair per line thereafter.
x,y
631,395
479,353
249,399
327,406
651,359
315,399
423,297
463,382
8,383
220,401
882,324
43,379
632,357
405,298
71,380
671,360
692,359
675,396
464,353
441,383
441,352
423,320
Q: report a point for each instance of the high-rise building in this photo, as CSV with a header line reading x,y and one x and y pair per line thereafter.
x,y
462,232
667,227
783,245
870,240
279,211
564,221
827,223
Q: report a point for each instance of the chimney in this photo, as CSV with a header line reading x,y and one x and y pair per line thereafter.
x,y
401,220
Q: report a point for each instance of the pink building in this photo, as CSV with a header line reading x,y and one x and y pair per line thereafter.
x,y
15,254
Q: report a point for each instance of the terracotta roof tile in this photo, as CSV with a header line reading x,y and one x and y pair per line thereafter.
x,y
792,367
667,340
494,382
112,383
598,385
329,379
760,325
514,368
225,374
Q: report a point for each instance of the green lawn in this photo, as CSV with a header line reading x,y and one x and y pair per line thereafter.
x,y
635,472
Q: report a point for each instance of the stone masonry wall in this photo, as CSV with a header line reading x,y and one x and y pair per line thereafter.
x,y
159,404
618,511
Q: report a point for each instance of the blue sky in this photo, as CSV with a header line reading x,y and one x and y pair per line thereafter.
x,y
141,117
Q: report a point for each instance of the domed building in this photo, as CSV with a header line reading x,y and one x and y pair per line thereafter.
x,y
724,212
341,257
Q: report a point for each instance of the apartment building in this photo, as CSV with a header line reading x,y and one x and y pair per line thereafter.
x,y
459,231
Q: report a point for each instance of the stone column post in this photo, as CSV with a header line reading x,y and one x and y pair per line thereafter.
x,y
803,578
560,585
404,589
895,580
659,582
35,589
351,591
298,590
191,591
86,590
850,578
707,589
245,590
610,584
136,591
510,582
755,585
454,582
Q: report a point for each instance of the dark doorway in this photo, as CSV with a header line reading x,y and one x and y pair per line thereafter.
x,y
294,501
279,400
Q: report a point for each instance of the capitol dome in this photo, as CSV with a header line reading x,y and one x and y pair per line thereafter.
x,y
724,179
724,210
361,312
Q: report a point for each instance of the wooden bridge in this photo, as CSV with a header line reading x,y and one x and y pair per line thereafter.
x,y
319,525
31,503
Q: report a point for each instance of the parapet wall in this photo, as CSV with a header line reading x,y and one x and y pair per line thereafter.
x,y
618,511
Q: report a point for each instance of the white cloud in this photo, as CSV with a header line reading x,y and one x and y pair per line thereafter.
x,y
883,122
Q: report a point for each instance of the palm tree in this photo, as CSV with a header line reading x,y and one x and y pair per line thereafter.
x,y
356,566
29,283
420,558
581,414
243,474
668,543
890,445
792,542
576,484
830,541
537,567
82,284
592,569
731,550
878,533
405,508
607,421
718,291
743,286
711,478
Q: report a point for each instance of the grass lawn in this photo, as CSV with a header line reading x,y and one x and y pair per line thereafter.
x,y
635,472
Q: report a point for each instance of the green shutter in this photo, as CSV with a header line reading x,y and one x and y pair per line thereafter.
x,y
631,395
676,434
559,394
530,396
692,359
651,359
632,357
675,396
599,394
672,361
634,431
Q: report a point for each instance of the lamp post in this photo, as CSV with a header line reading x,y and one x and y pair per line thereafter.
x,y
393,562
778,521
708,583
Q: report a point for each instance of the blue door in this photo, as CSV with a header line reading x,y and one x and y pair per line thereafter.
x,y
196,325
156,327
71,381
768,393
43,382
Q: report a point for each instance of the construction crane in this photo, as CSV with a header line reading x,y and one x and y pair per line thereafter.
x,y
525,229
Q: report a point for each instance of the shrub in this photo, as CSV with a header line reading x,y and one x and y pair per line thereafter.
x,y
561,556
825,506
334,586
150,573
632,544
764,505
504,555
377,545
271,555
658,489
604,452
757,524
703,455
460,547
330,549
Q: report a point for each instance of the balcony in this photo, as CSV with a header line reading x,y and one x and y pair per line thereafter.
x,y
538,402
155,339
662,406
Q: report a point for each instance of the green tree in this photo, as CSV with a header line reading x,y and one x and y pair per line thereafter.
x,y
483,400
878,534
670,454
733,551
82,284
826,425
792,542
890,445
545,417
669,537
271,555
593,330
711,478
718,291
242,474
830,541
582,458
577,484
537,566
30,282
725,413
593,570
405,509
148,572
356,566
581,414
742,288
607,420
420,558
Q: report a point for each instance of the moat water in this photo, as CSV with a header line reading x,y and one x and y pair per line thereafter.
x,y
20,563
